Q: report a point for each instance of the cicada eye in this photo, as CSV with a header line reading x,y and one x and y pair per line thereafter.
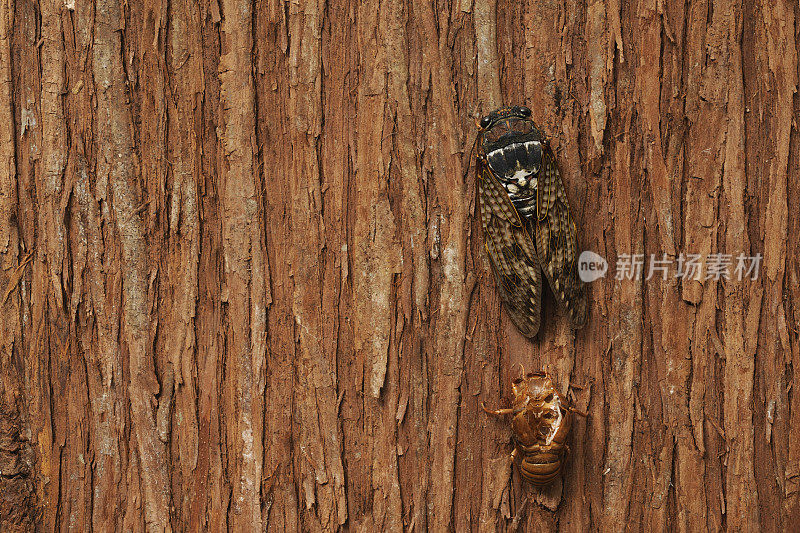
x,y
485,121
525,111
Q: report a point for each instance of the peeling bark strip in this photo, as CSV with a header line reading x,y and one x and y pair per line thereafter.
x,y
376,261
742,306
8,181
319,466
448,328
239,287
486,52
116,163
244,283
181,263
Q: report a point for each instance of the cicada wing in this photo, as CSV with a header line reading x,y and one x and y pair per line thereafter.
x,y
556,242
511,252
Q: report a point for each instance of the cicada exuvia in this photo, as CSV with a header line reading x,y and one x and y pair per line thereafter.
x,y
541,422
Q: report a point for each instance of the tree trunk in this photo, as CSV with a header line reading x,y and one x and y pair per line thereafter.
x,y
243,286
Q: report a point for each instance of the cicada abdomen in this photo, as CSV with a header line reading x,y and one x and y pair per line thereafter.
x,y
526,222
541,422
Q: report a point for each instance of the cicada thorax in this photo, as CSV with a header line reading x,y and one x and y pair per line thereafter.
x,y
512,149
540,425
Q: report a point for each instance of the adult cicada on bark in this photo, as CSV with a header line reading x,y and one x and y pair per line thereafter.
x,y
540,423
527,226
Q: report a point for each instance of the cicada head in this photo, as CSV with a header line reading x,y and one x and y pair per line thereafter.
x,y
512,145
520,389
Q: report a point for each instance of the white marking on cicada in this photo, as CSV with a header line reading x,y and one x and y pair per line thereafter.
x,y
521,177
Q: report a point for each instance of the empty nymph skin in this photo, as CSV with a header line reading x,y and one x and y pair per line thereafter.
x,y
540,423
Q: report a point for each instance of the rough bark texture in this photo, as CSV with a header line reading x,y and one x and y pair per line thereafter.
x,y
242,286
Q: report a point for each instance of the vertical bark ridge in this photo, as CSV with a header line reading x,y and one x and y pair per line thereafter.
x,y
318,432
624,352
18,506
117,163
184,80
454,287
772,374
376,260
243,288
279,488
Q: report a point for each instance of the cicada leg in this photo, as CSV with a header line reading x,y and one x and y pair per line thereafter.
x,y
578,412
496,412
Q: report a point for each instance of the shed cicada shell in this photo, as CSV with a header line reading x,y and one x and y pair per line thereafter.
x,y
527,227
540,423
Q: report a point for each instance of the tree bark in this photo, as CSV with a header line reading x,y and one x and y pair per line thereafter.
x,y
243,286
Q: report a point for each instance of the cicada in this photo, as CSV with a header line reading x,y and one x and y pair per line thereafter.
x,y
541,421
527,226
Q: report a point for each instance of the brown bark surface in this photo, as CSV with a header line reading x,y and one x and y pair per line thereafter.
x,y
243,287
